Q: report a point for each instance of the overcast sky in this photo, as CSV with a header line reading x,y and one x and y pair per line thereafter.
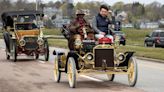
x,y
110,2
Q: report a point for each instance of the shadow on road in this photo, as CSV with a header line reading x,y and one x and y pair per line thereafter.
x,y
97,85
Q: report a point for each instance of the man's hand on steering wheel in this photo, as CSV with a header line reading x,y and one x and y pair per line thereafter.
x,y
102,33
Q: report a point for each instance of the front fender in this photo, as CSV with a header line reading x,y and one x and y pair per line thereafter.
x,y
128,56
75,56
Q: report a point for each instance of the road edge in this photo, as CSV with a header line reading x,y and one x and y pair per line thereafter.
x,y
150,59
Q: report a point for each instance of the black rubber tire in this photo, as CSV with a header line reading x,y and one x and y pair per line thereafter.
x,y
110,77
46,46
154,45
36,56
124,43
7,56
14,48
6,37
145,44
57,72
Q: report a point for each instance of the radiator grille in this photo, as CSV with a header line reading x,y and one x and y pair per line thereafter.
x,y
31,43
104,57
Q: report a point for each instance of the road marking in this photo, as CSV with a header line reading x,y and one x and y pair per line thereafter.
x,y
3,49
42,62
91,78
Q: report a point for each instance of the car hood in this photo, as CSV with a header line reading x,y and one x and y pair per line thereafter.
x,y
21,33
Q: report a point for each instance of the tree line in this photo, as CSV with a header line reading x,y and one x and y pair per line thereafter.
x,y
136,11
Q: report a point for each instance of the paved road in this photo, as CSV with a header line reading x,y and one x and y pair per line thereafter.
x,y
29,75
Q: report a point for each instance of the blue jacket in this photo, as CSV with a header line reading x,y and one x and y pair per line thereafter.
x,y
100,24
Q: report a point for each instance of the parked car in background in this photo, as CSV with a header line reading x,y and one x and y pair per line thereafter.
x,y
155,39
122,37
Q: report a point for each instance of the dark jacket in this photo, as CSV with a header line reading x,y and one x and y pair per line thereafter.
x,y
100,24
76,24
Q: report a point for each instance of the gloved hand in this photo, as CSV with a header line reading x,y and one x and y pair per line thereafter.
x,y
78,26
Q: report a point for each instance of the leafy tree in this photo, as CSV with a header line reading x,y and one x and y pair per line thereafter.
x,y
118,6
138,9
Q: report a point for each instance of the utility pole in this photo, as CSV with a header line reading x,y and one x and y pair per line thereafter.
x,y
36,5
38,2
70,8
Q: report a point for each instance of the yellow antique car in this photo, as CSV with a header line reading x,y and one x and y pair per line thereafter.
x,y
98,56
23,35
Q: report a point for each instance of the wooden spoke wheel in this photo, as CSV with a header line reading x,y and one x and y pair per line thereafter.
x,y
133,72
71,72
57,72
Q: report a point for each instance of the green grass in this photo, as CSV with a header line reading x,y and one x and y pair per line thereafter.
x,y
155,53
1,35
62,43
52,31
136,37
55,42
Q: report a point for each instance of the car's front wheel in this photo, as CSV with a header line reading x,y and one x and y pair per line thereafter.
x,y
14,51
57,72
145,44
46,47
7,55
154,45
71,72
124,43
133,72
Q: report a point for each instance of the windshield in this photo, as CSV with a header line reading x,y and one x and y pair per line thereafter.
x,y
162,34
155,34
26,18
29,26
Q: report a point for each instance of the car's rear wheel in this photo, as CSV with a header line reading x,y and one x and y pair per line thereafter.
x,y
6,37
14,52
133,72
71,72
145,44
36,56
123,43
7,55
110,77
154,45
46,47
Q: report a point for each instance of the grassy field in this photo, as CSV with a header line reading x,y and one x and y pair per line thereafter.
x,y
1,34
136,37
52,31
155,53
62,43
